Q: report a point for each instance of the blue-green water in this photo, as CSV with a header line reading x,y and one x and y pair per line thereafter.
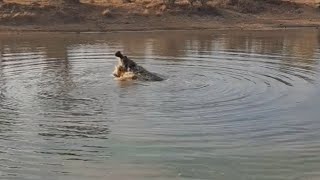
x,y
234,106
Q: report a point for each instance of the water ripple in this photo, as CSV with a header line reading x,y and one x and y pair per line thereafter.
x,y
232,107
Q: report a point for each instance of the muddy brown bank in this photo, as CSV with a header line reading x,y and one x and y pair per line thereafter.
x,y
104,16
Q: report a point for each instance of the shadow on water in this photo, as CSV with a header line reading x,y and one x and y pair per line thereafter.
x,y
231,107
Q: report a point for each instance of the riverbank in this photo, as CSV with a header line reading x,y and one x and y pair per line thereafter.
x,y
154,15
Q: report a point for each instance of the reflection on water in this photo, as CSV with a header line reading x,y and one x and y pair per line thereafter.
x,y
236,105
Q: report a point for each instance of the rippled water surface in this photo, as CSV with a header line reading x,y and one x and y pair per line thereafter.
x,y
234,106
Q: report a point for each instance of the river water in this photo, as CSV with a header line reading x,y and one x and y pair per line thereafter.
x,y
234,106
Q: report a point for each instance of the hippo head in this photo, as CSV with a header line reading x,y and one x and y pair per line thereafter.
x,y
124,69
127,63
129,70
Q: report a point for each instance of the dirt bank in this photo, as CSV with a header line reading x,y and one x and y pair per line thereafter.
x,y
100,15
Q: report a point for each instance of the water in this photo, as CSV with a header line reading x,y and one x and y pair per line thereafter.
x,y
234,105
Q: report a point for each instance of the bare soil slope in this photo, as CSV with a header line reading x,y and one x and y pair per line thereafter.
x,y
116,15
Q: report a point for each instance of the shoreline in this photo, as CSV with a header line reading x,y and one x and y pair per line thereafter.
x,y
75,28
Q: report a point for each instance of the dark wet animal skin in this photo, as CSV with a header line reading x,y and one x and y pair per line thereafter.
x,y
128,63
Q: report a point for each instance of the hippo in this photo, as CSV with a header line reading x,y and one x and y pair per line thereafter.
x,y
127,69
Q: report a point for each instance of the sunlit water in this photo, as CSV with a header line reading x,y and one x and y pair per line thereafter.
x,y
234,106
